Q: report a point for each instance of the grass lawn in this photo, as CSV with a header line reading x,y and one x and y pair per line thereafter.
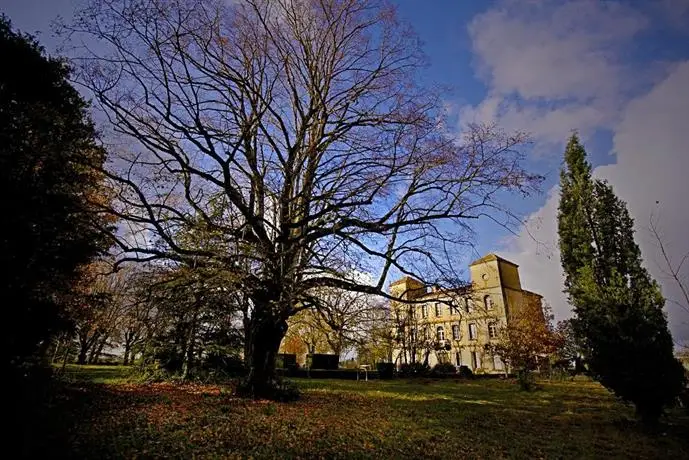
x,y
94,373
345,419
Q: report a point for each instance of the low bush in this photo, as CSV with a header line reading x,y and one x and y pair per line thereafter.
x,y
151,372
414,370
444,370
343,374
323,361
385,370
465,373
225,365
286,361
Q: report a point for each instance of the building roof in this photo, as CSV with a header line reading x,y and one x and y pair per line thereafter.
x,y
406,278
532,293
491,257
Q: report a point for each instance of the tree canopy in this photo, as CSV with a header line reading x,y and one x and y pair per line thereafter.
x,y
49,160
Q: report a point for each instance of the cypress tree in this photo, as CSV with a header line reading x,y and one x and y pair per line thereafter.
x,y
618,306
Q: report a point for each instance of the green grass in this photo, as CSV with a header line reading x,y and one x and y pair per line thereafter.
x,y
94,373
349,419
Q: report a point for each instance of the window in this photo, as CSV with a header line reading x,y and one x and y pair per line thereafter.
x,y
424,310
440,333
498,365
458,358
492,330
488,302
469,305
438,309
425,333
412,335
455,332
472,331
475,360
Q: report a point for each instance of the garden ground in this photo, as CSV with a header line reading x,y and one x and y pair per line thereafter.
x,y
100,413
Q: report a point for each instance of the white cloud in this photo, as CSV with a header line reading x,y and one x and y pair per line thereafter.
x,y
551,68
554,67
521,47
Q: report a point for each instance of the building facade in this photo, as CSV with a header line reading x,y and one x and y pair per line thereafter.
x,y
455,326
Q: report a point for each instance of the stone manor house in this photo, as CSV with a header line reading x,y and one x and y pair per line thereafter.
x,y
458,331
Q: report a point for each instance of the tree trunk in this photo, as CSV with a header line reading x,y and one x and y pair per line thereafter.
x,y
188,351
246,322
97,350
84,345
188,354
81,359
56,351
127,348
264,342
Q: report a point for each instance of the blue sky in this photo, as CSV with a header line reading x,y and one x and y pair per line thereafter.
x,y
615,71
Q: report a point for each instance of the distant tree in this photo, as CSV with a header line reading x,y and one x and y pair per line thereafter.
x,y
569,352
48,162
332,321
97,308
308,328
293,344
380,338
618,307
197,321
344,316
414,334
140,317
526,341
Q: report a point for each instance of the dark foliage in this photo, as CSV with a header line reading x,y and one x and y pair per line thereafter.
x,y
465,372
323,361
287,361
618,307
414,370
386,370
339,374
197,332
444,369
47,158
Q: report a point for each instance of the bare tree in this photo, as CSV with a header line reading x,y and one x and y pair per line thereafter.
x,y
297,133
98,308
673,268
345,317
